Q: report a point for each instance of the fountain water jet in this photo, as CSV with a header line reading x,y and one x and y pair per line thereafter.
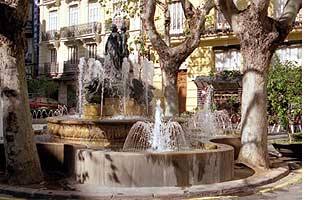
x,y
208,123
159,136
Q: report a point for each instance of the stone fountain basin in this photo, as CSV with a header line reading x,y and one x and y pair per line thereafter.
x,y
154,169
136,169
99,132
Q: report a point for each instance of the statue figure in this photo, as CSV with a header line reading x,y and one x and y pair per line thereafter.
x,y
113,47
124,39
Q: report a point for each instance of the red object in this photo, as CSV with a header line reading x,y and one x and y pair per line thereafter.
x,y
43,103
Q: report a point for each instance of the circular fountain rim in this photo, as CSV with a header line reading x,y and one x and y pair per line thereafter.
x,y
219,148
73,120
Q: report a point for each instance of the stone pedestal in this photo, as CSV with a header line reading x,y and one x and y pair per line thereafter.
x,y
91,111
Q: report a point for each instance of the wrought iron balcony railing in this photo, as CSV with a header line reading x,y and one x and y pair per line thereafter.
x,y
81,30
70,67
50,35
50,69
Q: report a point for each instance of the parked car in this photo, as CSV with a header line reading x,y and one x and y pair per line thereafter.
x,y
43,103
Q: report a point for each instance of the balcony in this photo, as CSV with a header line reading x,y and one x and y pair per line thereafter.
x,y
70,67
49,69
50,35
81,30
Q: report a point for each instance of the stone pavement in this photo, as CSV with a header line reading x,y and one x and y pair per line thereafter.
x,y
288,188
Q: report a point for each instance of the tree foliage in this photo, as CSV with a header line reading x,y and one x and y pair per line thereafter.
x,y
284,92
43,87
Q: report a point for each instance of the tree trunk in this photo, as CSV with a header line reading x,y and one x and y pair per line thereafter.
x,y
170,84
22,161
254,121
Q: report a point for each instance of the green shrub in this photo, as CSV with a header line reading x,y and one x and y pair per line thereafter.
x,y
284,92
43,87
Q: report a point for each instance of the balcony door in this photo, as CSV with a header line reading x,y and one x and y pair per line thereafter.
x,y
73,55
177,18
94,12
73,15
53,21
53,55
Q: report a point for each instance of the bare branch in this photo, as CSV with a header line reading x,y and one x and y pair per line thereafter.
x,y
148,22
196,26
228,9
290,12
188,9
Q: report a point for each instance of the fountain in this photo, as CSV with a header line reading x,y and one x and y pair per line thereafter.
x,y
207,123
158,136
213,125
111,99
156,155
109,143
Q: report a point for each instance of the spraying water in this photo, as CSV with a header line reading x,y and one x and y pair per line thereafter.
x,y
208,123
125,80
158,136
156,142
81,66
147,77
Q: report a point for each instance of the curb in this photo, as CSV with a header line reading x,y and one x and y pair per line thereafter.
x,y
294,179
242,186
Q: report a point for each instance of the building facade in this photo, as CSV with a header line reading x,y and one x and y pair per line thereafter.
x,y
71,29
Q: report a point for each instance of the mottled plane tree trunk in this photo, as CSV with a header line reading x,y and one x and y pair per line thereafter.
x,y
22,162
171,58
259,36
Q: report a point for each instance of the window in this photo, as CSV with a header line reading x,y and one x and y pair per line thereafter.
x,y
53,53
118,13
228,60
176,17
73,54
73,15
94,12
53,21
92,50
290,54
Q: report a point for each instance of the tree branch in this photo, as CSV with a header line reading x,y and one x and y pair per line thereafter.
x,y
188,9
228,9
148,22
290,12
196,26
286,21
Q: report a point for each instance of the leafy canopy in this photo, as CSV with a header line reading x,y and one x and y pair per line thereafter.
x,y
284,92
